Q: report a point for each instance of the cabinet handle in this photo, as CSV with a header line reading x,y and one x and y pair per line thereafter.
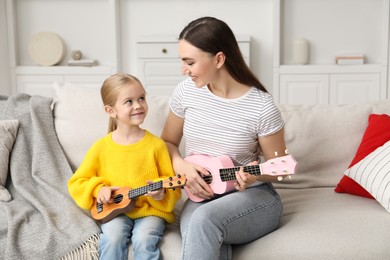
x,y
164,50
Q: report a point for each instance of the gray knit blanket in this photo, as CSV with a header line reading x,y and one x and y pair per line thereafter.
x,y
42,221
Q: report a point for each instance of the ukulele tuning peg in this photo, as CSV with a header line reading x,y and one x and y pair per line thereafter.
x,y
289,177
179,176
286,151
280,178
276,154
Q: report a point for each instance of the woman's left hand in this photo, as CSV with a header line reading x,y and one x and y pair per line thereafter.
x,y
244,179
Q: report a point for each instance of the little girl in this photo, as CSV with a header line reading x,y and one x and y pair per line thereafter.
x,y
128,156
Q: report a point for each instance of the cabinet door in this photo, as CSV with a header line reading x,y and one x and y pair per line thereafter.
x,y
37,85
160,76
354,88
302,89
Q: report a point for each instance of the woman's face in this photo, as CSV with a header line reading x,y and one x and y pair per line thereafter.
x,y
199,65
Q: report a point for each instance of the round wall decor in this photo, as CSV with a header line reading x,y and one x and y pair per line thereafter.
x,y
46,48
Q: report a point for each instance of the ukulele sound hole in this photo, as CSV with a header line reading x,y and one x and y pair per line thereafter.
x,y
118,198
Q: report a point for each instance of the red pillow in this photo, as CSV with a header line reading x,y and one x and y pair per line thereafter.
x,y
376,135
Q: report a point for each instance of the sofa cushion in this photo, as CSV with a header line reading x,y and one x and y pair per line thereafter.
x,y
377,133
320,224
8,131
323,139
373,174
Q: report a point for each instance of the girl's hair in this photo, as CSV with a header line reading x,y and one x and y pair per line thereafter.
x,y
212,35
110,92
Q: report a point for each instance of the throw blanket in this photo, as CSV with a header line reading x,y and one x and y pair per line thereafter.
x,y
42,221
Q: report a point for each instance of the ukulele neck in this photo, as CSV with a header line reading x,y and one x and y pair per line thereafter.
x,y
145,189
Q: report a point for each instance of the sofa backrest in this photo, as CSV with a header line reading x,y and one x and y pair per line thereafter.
x,y
322,138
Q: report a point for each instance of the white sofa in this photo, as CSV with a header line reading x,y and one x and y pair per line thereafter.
x,y
317,222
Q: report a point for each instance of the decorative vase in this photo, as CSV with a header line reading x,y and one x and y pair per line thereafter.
x,y
301,51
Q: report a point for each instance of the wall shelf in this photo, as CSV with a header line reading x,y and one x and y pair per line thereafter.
x,y
102,45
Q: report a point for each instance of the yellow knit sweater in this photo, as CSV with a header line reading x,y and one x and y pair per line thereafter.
x,y
110,164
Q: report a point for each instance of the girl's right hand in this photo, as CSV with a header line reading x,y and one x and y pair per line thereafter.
x,y
104,194
195,183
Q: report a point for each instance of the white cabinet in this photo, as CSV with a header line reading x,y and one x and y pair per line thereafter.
x,y
77,32
354,88
37,85
39,80
322,81
330,84
159,66
311,89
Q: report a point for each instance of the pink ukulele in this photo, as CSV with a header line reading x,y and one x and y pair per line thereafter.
x,y
223,172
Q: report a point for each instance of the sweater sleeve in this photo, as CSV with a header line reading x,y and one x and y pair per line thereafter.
x,y
85,183
165,169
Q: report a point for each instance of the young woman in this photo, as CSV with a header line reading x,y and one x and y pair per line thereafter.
x,y
128,156
222,109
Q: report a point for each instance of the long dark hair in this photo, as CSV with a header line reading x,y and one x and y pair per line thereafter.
x,y
212,35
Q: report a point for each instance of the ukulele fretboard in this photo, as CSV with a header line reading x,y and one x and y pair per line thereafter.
x,y
145,189
229,174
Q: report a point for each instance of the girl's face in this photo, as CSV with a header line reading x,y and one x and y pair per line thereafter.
x,y
131,107
199,65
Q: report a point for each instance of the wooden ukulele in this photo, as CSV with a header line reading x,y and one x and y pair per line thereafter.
x,y
223,172
124,198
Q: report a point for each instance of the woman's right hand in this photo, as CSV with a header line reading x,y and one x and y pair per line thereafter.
x,y
195,183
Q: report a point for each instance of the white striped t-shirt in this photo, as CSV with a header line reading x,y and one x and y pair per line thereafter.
x,y
217,126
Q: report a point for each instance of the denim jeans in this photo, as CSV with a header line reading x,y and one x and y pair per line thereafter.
x,y
145,233
210,228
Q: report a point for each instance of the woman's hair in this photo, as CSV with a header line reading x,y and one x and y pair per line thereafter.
x,y
212,35
110,92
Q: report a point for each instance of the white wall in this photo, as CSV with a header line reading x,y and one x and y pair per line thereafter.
x,y
5,84
169,17
86,27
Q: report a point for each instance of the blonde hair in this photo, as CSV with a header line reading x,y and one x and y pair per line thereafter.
x,y
110,92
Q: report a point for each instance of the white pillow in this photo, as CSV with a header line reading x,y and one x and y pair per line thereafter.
x,y
373,174
8,131
80,119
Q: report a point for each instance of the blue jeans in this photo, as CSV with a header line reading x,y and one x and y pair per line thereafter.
x,y
210,228
145,233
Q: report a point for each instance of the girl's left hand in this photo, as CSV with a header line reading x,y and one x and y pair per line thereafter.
x,y
157,194
244,179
